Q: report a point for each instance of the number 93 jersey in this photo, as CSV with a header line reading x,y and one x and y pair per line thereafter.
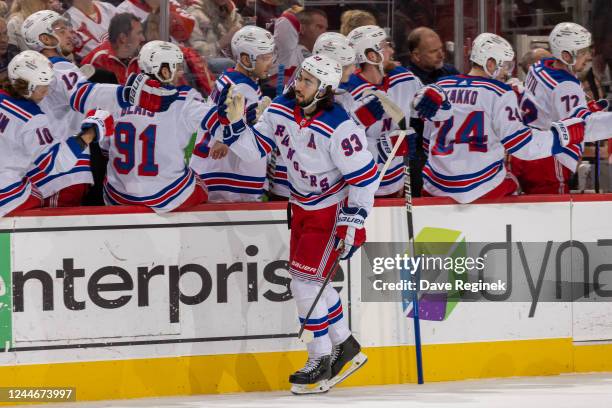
x,y
327,155
147,153
466,152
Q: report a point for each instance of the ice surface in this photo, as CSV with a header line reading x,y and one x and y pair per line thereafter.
x,y
563,391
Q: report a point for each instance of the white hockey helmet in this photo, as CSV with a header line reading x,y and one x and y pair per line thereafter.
x,y
569,37
335,46
37,24
491,46
252,41
32,67
327,70
365,38
154,54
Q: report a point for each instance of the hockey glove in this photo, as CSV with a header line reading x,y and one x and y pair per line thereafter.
x,y
350,230
566,132
147,93
251,114
102,122
407,146
370,112
230,110
601,105
428,100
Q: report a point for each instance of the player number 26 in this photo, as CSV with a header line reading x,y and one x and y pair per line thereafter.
x,y
351,144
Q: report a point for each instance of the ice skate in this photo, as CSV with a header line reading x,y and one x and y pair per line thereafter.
x,y
347,353
313,377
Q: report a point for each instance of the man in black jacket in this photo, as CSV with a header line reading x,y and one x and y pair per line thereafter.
x,y
426,61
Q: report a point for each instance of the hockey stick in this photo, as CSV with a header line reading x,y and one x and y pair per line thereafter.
x,y
306,336
397,115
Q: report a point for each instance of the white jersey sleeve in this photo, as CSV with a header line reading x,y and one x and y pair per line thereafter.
x,y
56,104
350,155
87,96
519,140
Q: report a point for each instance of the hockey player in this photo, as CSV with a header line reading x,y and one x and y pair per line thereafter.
x,y
333,178
232,179
552,92
27,139
378,72
466,152
50,34
146,153
336,47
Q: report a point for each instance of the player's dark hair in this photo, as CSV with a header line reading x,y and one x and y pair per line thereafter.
x,y
305,16
18,89
120,24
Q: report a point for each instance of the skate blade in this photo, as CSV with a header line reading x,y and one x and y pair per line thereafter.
x,y
303,389
356,363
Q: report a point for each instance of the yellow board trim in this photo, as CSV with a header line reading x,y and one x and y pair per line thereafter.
x,y
158,377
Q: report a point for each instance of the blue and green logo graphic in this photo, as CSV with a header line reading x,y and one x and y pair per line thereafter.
x,y
438,242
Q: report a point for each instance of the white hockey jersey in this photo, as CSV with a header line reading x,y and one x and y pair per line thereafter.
x,y
91,30
29,150
146,160
400,85
65,123
231,179
327,155
552,94
466,152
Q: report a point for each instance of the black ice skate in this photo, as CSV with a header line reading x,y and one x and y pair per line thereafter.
x,y
347,352
313,377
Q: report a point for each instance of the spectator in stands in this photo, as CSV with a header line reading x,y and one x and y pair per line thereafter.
x,y
294,36
20,10
216,23
7,51
426,61
533,56
181,23
119,53
56,5
4,9
352,19
90,20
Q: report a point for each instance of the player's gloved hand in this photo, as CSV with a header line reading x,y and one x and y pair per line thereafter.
x,y
231,110
370,112
101,121
350,230
566,132
428,100
601,105
407,145
251,114
148,93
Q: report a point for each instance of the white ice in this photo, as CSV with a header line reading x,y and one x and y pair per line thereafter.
x,y
563,391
